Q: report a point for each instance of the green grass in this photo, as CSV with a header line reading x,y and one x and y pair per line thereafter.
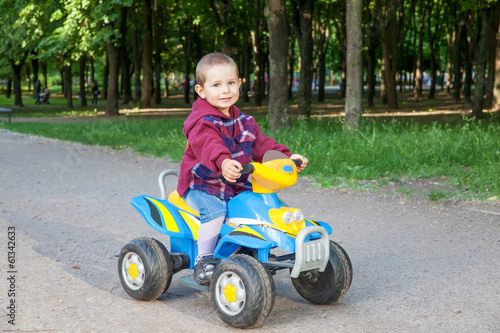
x,y
465,156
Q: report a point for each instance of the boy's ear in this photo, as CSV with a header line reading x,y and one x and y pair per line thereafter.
x,y
200,91
239,83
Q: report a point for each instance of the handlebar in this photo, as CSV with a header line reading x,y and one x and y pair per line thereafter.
x,y
249,168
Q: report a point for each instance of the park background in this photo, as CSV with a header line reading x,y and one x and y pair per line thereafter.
x,y
417,81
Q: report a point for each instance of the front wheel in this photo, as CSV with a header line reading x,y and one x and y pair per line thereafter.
x,y
144,268
329,286
242,291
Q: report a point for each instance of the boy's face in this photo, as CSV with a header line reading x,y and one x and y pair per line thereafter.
x,y
222,87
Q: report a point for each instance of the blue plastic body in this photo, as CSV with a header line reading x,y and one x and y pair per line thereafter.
x,y
181,226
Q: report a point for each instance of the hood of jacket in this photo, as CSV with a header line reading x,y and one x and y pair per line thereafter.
x,y
201,109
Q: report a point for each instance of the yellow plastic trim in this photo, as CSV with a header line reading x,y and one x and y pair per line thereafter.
x,y
276,216
248,230
177,201
167,217
191,224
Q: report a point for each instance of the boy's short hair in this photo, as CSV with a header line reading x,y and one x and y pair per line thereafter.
x,y
210,60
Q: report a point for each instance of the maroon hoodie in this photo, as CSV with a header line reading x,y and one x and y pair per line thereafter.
x,y
212,137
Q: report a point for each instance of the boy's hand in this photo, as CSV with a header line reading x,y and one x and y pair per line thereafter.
x,y
302,158
231,170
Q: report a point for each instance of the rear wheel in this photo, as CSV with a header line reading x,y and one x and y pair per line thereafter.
x,y
144,268
242,291
329,286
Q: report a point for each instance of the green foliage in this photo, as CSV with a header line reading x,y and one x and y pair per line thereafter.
x,y
21,28
465,157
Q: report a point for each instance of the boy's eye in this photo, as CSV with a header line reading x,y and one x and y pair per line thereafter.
x,y
216,85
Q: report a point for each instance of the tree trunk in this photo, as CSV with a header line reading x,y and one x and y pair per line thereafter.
x,y
493,41
278,48
113,95
157,81
323,38
159,39
187,59
137,65
291,65
258,66
434,46
8,91
27,73
354,84
68,85
167,92
371,64
322,78
34,65
304,29
147,57
481,58
246,65
389,32
105,80
383,89
420,56
44,73
496,89
457,60
124,57
340,28
469,62
83,92
16,73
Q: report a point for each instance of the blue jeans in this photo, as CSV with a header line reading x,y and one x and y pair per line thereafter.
x,y
209,206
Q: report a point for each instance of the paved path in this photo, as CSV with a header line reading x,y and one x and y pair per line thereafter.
x,y
418,266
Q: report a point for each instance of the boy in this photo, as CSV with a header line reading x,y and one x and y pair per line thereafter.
x,y
220,140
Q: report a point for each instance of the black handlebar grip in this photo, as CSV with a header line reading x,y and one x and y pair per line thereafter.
x,y
247,169
298,162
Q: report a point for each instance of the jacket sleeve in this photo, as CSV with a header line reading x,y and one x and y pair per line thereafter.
x,y
264,143
206,143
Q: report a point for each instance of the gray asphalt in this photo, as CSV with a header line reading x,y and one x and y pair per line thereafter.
x,y
419,266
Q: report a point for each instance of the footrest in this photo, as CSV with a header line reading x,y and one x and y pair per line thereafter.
x,y
189,281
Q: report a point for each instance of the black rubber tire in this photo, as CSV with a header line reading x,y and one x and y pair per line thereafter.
x,y
168,261
154,268
258,286
329,286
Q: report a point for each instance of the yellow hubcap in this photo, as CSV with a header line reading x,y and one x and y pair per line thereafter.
x,y
132,271
230,293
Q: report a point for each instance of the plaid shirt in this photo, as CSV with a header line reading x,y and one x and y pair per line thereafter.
x,y
216,138
238,135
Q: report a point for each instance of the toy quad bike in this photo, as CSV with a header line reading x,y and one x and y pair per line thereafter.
x,y
258,223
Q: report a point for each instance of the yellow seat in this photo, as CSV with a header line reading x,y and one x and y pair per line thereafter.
x,y
177,201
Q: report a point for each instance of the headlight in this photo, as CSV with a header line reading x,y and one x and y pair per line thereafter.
x,y
287,217
298,216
